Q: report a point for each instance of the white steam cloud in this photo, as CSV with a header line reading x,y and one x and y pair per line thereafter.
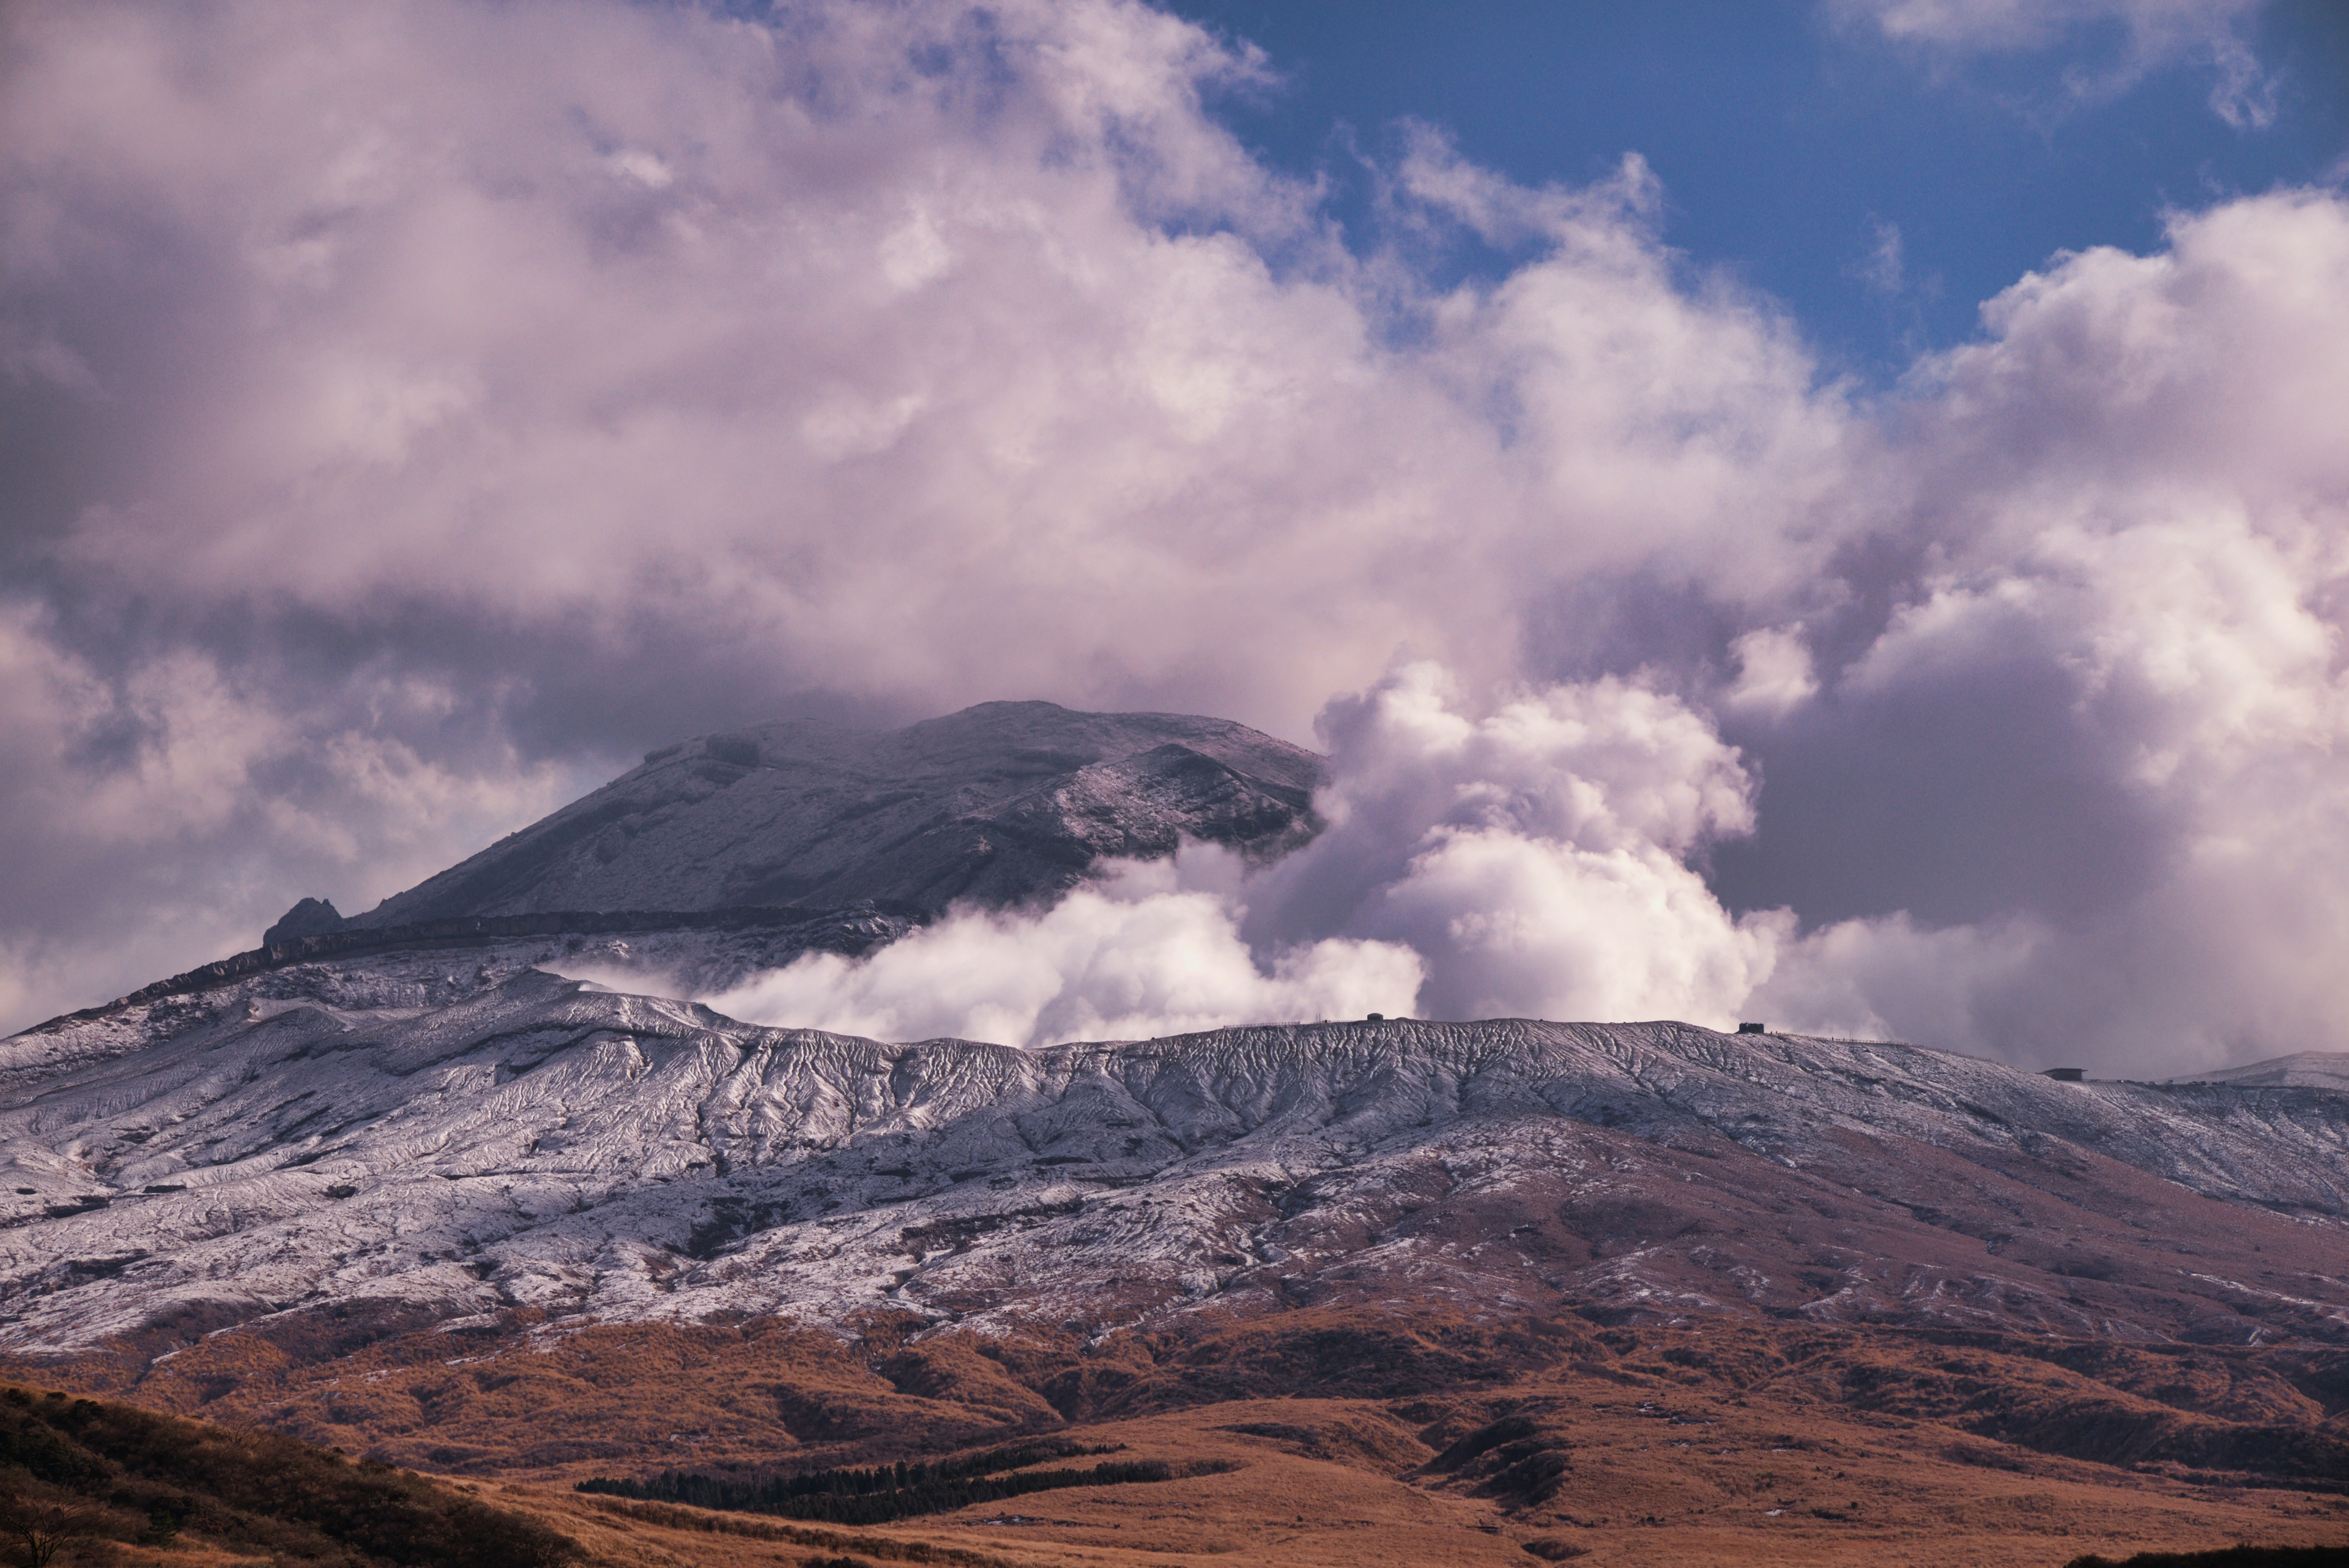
x,y
1144,952
1536,858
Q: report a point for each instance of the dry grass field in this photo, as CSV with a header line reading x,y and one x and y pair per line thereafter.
x,y
1344,1483
1354,1438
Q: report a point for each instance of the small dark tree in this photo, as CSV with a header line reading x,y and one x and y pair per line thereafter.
x,y
39,1530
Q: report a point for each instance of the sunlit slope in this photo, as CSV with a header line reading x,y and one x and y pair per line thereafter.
x,y
319,1137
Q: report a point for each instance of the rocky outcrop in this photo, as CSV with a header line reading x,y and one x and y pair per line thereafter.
x,y
310,917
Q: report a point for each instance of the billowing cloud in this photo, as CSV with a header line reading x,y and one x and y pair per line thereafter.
x,y
408,414
1536,857
1151,949
2116,689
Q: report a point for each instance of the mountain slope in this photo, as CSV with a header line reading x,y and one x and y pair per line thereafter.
x,y
400,1187
340,1136
2301,1070
1005,803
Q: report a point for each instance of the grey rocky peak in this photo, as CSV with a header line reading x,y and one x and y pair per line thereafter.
x,y
310,917
1003,804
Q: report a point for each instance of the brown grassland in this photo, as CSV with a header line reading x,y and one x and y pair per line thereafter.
x,y
1357,1436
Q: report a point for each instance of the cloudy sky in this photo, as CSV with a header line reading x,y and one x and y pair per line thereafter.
x,y
1835,510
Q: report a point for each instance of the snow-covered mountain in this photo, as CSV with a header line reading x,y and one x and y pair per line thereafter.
x,y
733,853
419,1117
448,1138
1003,803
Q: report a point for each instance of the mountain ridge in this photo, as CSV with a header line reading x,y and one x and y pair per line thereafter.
x,y
1000,803
850,932
516,1139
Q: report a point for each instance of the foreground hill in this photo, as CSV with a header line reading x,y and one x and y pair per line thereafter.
x,y
1344,1439
86,1477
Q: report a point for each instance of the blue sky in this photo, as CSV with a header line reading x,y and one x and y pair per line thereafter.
x,y
1791,143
